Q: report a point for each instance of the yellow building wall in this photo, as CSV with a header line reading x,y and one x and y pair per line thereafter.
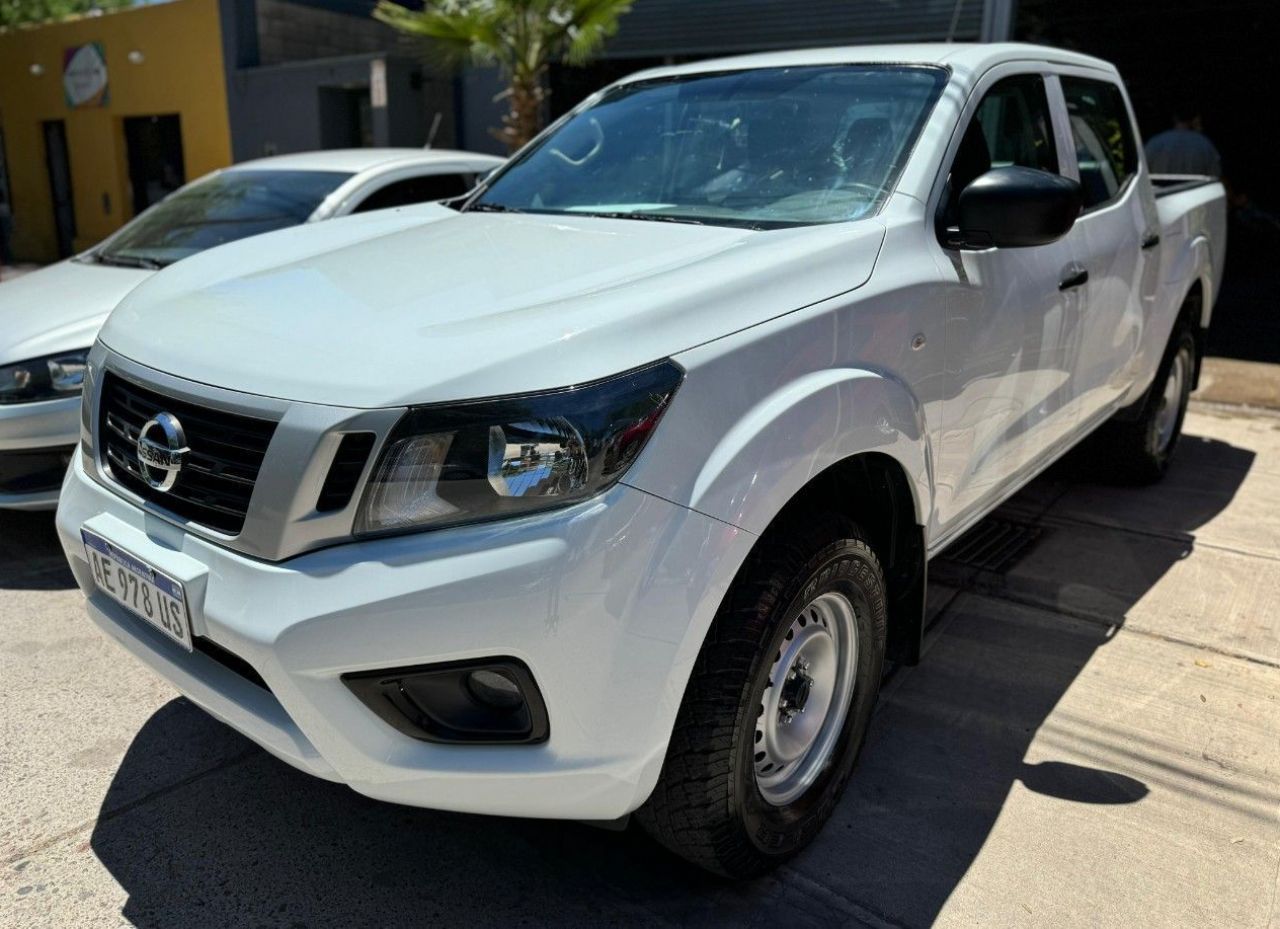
x,y
181,72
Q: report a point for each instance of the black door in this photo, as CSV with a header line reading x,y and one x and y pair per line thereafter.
x,y
346,117
59,163
6,208
154,147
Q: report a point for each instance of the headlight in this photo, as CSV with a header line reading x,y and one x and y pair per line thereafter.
x,y
46,378
490,459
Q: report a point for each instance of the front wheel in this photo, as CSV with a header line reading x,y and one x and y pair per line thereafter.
x,y
778,704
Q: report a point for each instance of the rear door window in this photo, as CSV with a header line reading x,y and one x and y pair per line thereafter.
x,y
417,190
1105,146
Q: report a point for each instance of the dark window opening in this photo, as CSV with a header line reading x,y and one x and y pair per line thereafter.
x,y
346,117
1103,137
1012,126
154,149
417,190
58,162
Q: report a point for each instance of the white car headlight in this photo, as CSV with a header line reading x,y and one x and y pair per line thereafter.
x,y
490,459
45,378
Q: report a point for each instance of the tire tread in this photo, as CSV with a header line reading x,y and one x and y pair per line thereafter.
x,y
691,810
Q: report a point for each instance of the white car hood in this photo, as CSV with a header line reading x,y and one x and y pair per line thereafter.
x,y
426,304
59,308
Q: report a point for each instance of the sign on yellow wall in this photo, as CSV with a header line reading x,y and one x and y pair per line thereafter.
x,y
84,75
89,75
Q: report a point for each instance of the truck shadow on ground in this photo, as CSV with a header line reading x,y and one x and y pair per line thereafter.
x,y
31,557
248,841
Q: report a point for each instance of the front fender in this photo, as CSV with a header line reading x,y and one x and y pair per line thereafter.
x,y
740,455
747,458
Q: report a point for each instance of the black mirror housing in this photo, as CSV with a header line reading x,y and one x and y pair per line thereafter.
x,y
1017,207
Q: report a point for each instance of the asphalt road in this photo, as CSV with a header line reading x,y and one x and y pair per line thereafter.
x,y
1091,739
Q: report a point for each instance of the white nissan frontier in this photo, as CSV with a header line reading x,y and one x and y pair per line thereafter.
x,y
612,487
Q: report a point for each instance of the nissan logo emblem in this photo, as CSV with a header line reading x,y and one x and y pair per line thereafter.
x,y
162,448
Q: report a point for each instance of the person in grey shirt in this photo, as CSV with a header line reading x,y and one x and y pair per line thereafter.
x,y
1184,149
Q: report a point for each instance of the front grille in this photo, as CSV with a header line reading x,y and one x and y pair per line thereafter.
x,y
216,480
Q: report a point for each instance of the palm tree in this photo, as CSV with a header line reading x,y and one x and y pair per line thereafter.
x,y
521,37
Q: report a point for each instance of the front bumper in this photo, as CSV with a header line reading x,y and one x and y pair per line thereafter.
x,y
34,437
607,603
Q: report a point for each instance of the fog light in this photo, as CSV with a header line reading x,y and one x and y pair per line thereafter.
x,y
495,689
486,701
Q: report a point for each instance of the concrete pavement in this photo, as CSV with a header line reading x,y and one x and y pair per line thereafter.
x,y
1232,382
1091,739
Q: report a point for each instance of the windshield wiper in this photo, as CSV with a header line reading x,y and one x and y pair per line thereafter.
x,y
670,218
618,214
491,208
126,261
639,214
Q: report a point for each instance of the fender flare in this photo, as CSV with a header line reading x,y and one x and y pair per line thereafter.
x,y
1192,264
801,429
775,448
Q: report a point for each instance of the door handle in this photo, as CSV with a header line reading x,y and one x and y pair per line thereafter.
x,y
1151,241
1075,277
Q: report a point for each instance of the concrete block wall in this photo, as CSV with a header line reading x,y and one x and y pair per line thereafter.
x,y
293,32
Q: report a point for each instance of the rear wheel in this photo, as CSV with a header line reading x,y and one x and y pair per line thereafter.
x,y
1140,450
778,704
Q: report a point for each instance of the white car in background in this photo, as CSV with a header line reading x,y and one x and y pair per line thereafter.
x,y
49,318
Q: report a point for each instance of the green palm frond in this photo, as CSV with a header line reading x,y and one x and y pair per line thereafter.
x,y
521,37
596,21
460,33
516,35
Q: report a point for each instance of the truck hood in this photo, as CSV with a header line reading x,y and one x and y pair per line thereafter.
x,y
427,304
59,308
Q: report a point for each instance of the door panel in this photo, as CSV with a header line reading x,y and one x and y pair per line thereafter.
x,y
1012,332
1107,241
1011,338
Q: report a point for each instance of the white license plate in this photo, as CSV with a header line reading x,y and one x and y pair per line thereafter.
x,y
143,590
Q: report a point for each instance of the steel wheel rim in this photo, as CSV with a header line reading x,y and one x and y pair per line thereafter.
x,y
1166,422
803,709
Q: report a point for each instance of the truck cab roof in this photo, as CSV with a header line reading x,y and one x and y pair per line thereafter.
x,y
972,57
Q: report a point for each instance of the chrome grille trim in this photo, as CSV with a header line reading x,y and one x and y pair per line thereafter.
x,y
282,519
215,484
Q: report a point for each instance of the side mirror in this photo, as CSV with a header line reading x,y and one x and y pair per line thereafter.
x,y
1017,207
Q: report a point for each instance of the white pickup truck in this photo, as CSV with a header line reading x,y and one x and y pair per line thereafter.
x,y
612,487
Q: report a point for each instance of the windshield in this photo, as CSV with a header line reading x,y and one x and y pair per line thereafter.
x,y
764,149
228,206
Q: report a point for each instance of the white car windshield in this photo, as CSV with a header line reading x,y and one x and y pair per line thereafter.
x,y
763,149
223,208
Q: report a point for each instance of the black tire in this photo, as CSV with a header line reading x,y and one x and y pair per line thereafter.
x,y
1137,450
707,806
